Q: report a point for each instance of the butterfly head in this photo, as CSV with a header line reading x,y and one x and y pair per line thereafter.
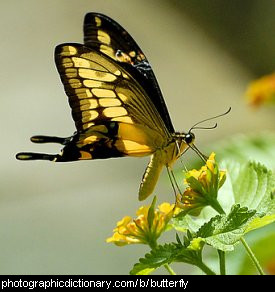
x,y
184,141
189,138
186,138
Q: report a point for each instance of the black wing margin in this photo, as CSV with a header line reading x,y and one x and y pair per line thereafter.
x,y
105,35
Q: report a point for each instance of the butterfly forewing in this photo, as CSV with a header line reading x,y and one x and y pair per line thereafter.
x,y
107,36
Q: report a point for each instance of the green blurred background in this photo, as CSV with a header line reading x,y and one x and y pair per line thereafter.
x,y
54,218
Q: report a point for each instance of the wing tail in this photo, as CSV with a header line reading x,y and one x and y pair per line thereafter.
x,y
36,156
44,156
48,139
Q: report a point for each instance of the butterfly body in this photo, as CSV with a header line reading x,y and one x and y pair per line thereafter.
x,y
116,103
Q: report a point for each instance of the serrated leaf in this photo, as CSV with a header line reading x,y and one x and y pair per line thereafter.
x,y
251,185
165,254
224,231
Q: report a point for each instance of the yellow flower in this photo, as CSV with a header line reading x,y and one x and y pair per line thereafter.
x,y
203,186
146,228
261,90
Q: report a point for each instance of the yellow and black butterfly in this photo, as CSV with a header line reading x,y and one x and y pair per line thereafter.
x,y
116,103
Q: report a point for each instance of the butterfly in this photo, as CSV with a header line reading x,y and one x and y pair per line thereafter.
x,y
116,104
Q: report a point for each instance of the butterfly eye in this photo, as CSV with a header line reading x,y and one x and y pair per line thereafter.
x,y
189,138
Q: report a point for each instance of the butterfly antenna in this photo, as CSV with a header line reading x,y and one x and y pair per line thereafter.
x,y
209,119
204,128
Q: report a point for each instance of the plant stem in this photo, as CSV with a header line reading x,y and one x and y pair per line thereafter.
x,y
252,256
216,206
222,262
221,253
205,269
169,269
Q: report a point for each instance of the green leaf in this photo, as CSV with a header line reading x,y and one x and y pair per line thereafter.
x,y
165,254
224,231
151,212
260,222
178,239
184,223
242,148
156,258
251,185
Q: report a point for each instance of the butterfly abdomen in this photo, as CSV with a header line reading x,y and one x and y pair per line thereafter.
x,y
151,175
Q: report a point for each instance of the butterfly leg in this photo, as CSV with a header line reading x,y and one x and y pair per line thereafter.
x,y
173,181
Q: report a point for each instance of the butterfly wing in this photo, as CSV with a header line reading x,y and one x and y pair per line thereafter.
x,y
113,115
112,112
107,36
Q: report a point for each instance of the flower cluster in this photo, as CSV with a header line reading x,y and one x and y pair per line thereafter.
x,y
151,222
203,186
261,91
146,228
